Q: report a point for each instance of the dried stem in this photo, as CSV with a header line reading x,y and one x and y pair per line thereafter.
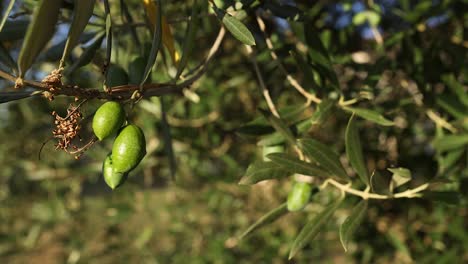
x,y
291,80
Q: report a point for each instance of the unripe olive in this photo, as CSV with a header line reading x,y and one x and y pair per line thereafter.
x,y
299,196
108,119
116,76
129,149
136,69
112,178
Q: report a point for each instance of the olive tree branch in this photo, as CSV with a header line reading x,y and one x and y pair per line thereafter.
x,y
411,193
291,80
122,92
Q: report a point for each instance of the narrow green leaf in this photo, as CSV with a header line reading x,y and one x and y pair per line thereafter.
x,y
280,126
447,161
88,54
457,88
39,32
381,183
268,218
261,170
295,165
313,227
366,16
237,28
13,96
81,14
322,112
352,222
189,40
6,59
400,176
450,142
324,156
370,115
7,13
354,151
156,43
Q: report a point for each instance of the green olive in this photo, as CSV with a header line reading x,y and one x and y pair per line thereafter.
x,y
271,149
129,148
136,69
108,119
116,76
112,178
299,196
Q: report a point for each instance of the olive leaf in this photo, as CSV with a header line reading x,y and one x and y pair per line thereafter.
x,y
354,151
352,222
7,13
323,155
39,32
157,38
6,58
237,28
263,170
268,218
450,142
370,115
82,13
295,165
189,42
313,227
280,126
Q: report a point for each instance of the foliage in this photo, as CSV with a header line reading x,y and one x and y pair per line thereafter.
x,y
364,105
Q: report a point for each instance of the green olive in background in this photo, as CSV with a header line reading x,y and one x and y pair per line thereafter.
x,y
299,196
129,148
108,119
112,178
116,76
136,70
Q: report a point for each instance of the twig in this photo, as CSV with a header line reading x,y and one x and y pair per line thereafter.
x,y
124,92
265,92
411,193
291,80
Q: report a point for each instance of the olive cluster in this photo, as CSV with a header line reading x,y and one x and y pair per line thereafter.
x,y
129,146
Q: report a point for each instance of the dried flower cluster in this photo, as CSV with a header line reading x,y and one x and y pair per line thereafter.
x,y
53,82
67,128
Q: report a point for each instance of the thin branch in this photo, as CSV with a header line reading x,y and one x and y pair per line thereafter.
x,y
291,80
411,193
265,92
124,92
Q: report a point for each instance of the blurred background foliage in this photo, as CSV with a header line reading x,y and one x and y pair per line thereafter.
x,y
401,58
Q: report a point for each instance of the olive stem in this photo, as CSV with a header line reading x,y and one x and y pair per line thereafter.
x,y
291,80
411,193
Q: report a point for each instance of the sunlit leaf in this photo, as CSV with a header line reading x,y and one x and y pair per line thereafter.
x,y
354,151
268,218
450,142
313,227
370,115
352,222
6,14
39,32
400,176
237,28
